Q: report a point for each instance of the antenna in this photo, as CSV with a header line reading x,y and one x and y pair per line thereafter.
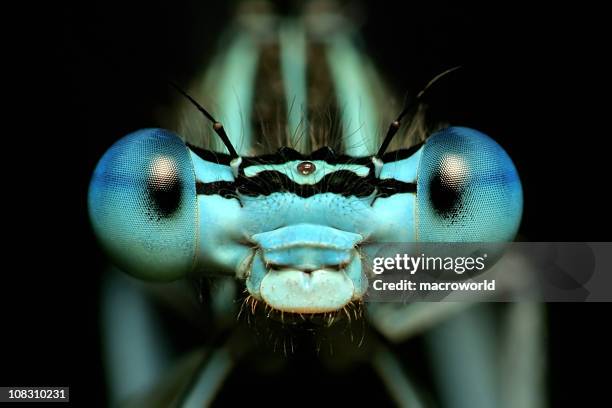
x,y
217,126
408,108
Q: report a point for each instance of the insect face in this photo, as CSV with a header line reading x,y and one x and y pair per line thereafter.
x,y
295,228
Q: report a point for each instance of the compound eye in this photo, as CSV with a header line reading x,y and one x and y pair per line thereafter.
x,y
468,189
143,205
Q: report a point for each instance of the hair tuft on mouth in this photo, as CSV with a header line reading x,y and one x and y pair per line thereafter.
x,y
252,307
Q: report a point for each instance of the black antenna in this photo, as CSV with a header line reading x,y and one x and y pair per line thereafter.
x,y
217,126
408,108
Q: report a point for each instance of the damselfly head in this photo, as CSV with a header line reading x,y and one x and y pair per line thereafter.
x,y
299,221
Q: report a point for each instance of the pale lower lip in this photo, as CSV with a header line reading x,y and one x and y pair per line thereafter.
x,y
295,291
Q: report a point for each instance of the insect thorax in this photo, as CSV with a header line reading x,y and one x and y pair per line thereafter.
x,y
299,82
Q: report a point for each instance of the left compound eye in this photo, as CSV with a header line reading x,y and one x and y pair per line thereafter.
x,y
468,189
142,205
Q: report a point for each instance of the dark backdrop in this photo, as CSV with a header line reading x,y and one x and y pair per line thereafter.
x,y
531,80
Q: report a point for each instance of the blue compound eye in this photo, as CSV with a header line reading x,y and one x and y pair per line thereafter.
x,y
143,205
468,189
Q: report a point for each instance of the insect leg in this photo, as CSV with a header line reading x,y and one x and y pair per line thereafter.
x,y
134,349
463,355
215,367
400,322
209,379
522,356
394,377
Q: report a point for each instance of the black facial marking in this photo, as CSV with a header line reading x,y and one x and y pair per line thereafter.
x,y
226,189
341,182
388,187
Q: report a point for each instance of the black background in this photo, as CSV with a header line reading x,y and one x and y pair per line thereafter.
x,y
96,71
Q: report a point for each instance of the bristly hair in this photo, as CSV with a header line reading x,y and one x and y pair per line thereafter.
x,y
320,123
287,332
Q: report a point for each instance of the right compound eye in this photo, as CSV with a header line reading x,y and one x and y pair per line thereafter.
x,y
468,189
143,205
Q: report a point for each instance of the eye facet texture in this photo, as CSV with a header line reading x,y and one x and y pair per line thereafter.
x,y
143,205
468,189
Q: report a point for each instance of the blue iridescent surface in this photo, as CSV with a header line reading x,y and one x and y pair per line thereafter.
x,y
468,189
143,205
